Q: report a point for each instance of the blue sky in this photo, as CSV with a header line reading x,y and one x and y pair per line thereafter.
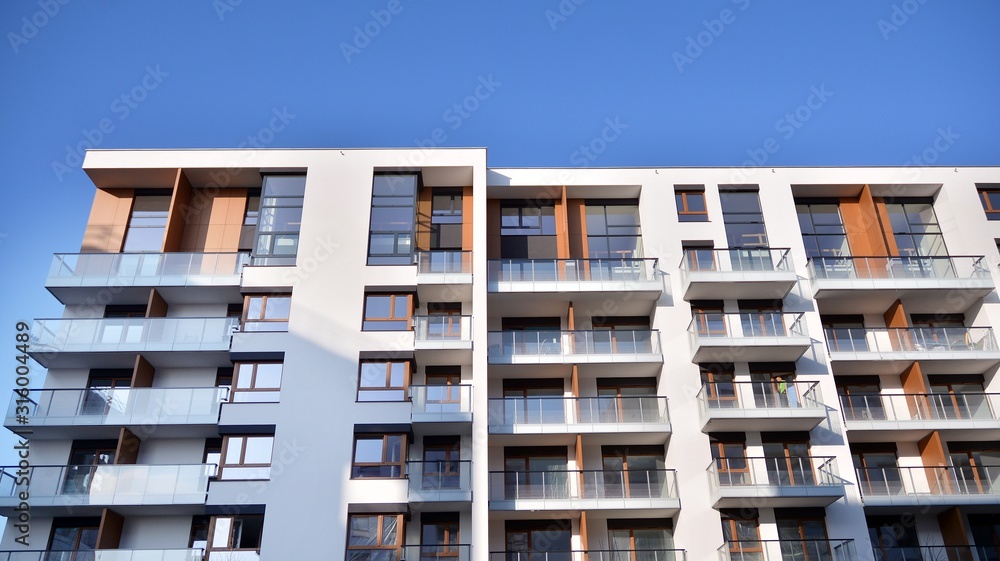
x,y
715,82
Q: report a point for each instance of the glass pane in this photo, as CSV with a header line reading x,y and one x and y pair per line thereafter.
x,y
244,376
378,306
740,201
363,530
368,450
373,375
258,450
397,373
255,306
393,448
268,375
277,307
389,530
401,307
382,244
392,219
284,185
234,448
223,526
596,224
388,185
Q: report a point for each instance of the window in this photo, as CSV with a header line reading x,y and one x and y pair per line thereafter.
x,y
699,257
267,313
374,537
256,382
250,218
691,203
446,219
74,538
378,455
641,540
383,380
915,229
803,537
990,197
634,471
528,231
740,532
390,239
246,457
548,540
613,230
822,229
235,533
85,459
148,223
743,218
387,312
279,220
439,536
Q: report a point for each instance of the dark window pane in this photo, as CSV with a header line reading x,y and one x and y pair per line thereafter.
x,y
740,201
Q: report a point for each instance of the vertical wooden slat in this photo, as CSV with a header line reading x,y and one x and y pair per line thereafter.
x,y
109,532
128,447
142,373
180,204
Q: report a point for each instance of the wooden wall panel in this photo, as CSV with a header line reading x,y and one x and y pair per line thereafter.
x,y
108,221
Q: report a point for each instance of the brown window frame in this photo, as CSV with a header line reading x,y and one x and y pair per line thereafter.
x,y
379,545
400,465
224,460
403,390
234,388
991,213
684,213
213,523
247,320
408,320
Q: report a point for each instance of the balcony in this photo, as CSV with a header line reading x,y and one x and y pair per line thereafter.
x,y
114,342
936,553
908,487
760,406
105,555
179,489
796,481
442,332
574,276
636,418
574,347
911,417
872,284
452,552
441,404
941,350
713,274
616,492
748,337
592,555
444,275
781,550
95,413
441,484
189,278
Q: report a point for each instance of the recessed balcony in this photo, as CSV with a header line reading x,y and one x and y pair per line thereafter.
x,y
569,347
748,337
715,274
760,406
574,276
911,417
189,278
617,492
932,486
941,350
105,555
592,555
95,413
442,332
781,550
440,484
444,275
637,418
872,284
441,404
795,481
114,342
126,487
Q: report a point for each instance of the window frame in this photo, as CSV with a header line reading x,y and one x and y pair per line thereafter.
x,y
234,388
684,212
410,304
400,465
408,366
379,539
984,192
245,320
264,234
224,462
231,534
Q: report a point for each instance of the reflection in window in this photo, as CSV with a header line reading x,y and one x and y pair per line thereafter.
x,y
823,230
387,312
279,220
390,240
378,455
236,538
915,229
246,457
148,224
256,382
267,313
613,230
374,537
383,380
691,205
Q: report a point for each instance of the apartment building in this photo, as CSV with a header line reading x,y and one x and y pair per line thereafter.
x,y
400,354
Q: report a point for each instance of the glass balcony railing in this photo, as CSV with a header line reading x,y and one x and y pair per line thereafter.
x,y
760,395
556,410
794,471
440,329
442,262
449,552
441,400
132,334
123,484
937,553
921,407
929,480
571,484
592,555
788,550
233,554
922,339
587,271
744,260
899,268
747,325
119,406
146,269
555,343
428,479
106,555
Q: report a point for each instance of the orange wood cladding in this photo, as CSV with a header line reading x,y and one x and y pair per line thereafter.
x,y
108,221
142,373
493,228
425,207
128,448
180,203
953,530
863,219
214,220
109,532
467,218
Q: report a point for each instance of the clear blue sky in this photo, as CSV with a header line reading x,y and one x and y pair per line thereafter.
x,y
692,83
